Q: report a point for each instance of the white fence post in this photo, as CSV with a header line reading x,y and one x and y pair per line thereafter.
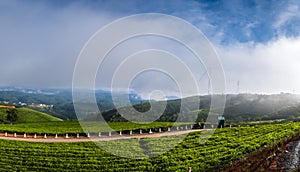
x,y
34,136
24,135
55,136
45,136
150,131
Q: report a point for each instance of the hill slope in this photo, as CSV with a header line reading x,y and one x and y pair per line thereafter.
x,y
61,99
238,108
28,115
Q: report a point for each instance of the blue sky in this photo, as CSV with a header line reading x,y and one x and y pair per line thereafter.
x,y
257,41
242,21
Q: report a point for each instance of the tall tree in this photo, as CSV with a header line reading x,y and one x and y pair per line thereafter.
x,y
12,115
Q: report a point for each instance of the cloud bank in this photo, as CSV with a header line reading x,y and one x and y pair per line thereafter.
x,y
258,42
270,67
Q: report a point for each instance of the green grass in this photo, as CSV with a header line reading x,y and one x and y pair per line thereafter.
x,y
223,147
26,115
73,127
265,121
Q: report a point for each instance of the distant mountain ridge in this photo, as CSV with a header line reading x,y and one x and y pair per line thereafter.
x,y
61,99
238,108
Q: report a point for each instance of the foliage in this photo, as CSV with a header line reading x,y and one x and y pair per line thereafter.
x,y
62,100
24,115
12,115
223,147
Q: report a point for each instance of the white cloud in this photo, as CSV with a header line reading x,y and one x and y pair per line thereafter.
x,y
39,40
290,12
266,68
248,28
39,45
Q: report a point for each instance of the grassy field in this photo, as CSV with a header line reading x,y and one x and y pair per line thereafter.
x,y
222,148
73,127
26,115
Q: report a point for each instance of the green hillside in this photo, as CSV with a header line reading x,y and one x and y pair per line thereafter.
x,y
61,99
238,108
25,115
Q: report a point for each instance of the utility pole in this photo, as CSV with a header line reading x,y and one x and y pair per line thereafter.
x,y
208,89
238,87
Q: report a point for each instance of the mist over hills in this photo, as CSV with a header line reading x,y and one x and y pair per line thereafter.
x,y
61,99
238,108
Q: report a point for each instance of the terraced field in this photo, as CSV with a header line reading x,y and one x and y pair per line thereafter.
x,y
222,148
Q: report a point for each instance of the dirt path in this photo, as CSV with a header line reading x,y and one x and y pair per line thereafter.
x,y
102,138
